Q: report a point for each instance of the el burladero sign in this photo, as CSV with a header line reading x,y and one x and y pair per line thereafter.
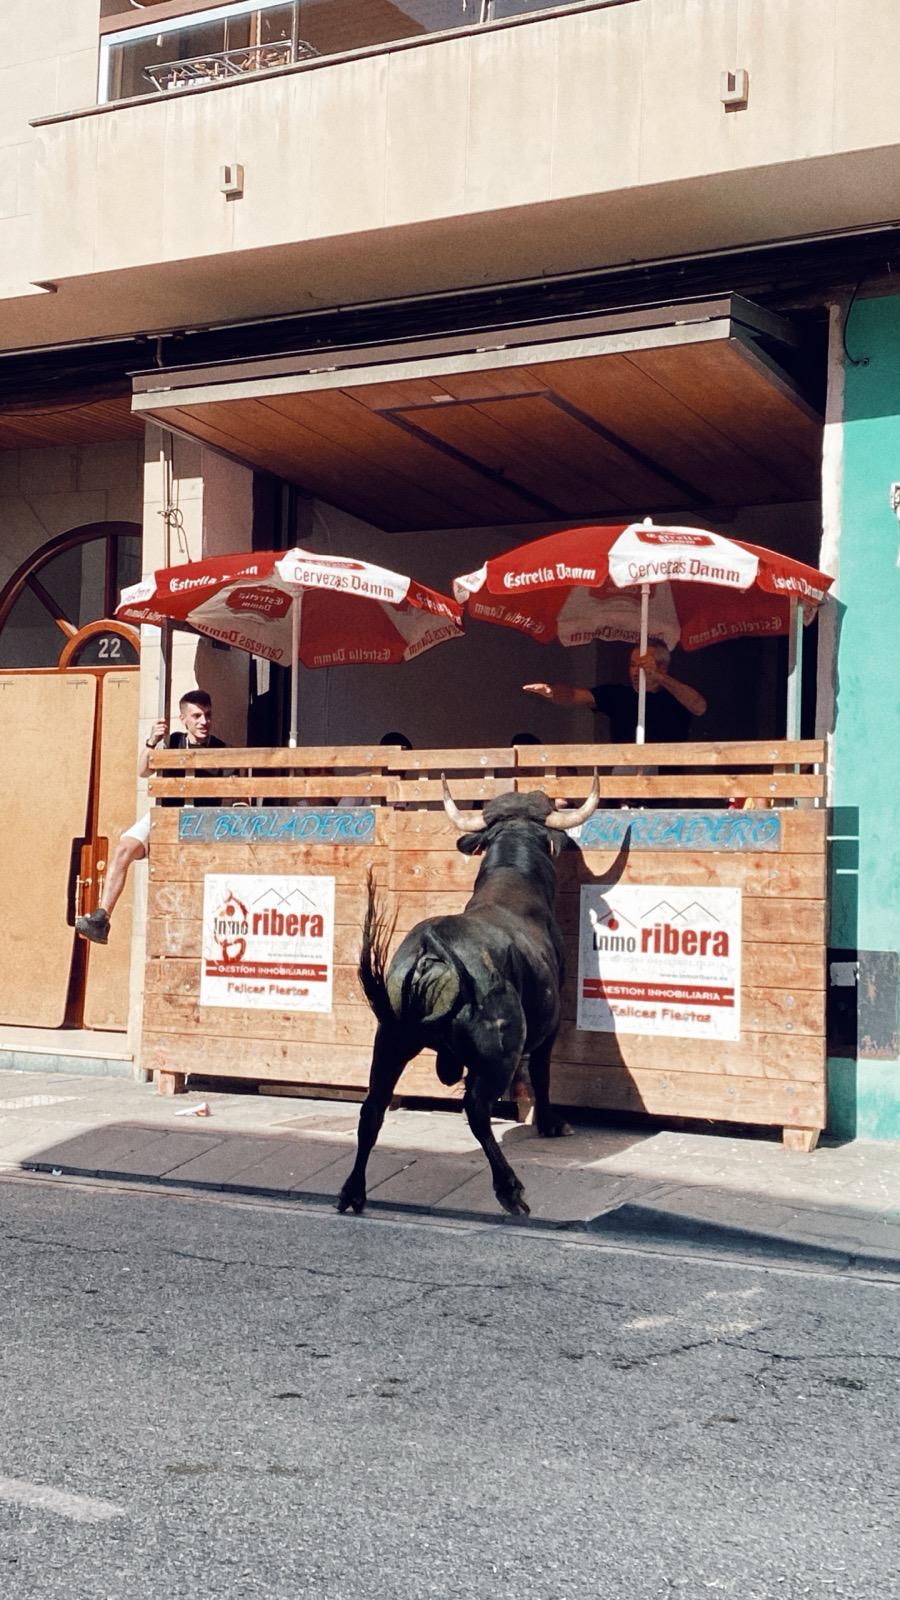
x,y
276,825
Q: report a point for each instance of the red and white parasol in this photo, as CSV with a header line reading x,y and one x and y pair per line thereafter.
x,y
293,605
684,586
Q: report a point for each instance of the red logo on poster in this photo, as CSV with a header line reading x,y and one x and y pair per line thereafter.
x,y
230,929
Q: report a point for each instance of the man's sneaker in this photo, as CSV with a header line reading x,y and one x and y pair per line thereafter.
x,y
95,927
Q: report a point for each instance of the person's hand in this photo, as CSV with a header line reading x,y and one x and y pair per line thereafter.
x,y
561,694
158,732
650,665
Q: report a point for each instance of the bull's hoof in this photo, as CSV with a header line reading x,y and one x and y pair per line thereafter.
x,y
553,1126
513,1201
350,1199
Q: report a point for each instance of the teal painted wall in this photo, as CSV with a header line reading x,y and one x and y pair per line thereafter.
x,y
864,1095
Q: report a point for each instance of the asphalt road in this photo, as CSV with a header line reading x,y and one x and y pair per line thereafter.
x,y
203,1397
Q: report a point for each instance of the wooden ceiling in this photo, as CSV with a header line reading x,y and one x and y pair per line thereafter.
x,y
71,421
686,424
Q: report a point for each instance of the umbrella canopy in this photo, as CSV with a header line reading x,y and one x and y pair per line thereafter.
x,y
293,605
684,586
350,612
700,588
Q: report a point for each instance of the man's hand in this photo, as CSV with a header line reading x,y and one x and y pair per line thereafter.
x,y
158,732
560,694
650,665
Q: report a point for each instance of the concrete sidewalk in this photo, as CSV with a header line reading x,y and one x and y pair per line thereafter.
x,y
627,1184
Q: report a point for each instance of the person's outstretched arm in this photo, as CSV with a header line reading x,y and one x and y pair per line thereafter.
x,y
561,694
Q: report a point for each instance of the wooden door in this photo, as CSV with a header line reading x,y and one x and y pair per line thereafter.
x,y
109,966
46,736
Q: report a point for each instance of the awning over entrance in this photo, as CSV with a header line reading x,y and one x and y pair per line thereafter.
x,y
688,407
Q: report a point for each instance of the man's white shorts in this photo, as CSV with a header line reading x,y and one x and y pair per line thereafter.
x,y
139,830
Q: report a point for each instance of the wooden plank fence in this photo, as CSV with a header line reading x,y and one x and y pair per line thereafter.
x,y
774,1073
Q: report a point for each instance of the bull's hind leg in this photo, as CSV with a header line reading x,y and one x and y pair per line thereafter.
x,y
483,1089
549,1123
388,1062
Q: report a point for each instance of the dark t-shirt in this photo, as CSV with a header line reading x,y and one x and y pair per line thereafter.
x,y
665,722
179,741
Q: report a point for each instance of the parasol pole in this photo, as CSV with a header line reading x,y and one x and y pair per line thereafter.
x,y
642,677
795,668
164,690
295,668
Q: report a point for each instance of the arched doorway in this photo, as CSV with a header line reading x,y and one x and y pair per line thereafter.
x,y
68,726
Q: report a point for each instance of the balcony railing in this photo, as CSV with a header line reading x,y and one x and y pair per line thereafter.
x,y
198,47
219,64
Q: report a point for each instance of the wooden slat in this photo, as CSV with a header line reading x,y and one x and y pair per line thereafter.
x,y
707,753
764,921
347,1065
499,758
755,1055
320,757
684,1094
182,1014
260,788
694,753
783,1010
675,790
680,789
715,752
803,832
184,863
773,874
781,966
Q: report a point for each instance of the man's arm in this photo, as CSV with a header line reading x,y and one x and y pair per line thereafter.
x,y
156,736
561,694
691,699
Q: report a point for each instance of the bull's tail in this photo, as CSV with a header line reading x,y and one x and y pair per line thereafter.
x,y
376,937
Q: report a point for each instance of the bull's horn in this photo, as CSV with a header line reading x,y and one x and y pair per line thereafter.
x,y
574,819
470,824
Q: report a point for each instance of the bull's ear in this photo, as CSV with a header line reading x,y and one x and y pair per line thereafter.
x,y
558,842
472,844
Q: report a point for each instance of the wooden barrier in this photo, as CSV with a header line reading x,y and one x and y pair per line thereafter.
x,y
682,840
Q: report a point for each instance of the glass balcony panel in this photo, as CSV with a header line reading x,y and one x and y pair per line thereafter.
x,y
238,38
332,26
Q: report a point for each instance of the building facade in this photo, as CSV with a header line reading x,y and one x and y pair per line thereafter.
x,y
416,279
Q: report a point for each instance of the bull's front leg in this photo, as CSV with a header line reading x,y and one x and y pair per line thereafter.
x,y
484,1086
388,1061
548,1121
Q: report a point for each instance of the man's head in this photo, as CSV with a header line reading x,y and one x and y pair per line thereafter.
x,y
396,738
662,656
195,709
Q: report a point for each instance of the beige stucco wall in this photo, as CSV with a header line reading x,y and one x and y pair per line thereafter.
x,y
571,141
48,63
47,492
209,499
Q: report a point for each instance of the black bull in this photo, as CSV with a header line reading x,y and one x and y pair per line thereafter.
x,y
482,989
